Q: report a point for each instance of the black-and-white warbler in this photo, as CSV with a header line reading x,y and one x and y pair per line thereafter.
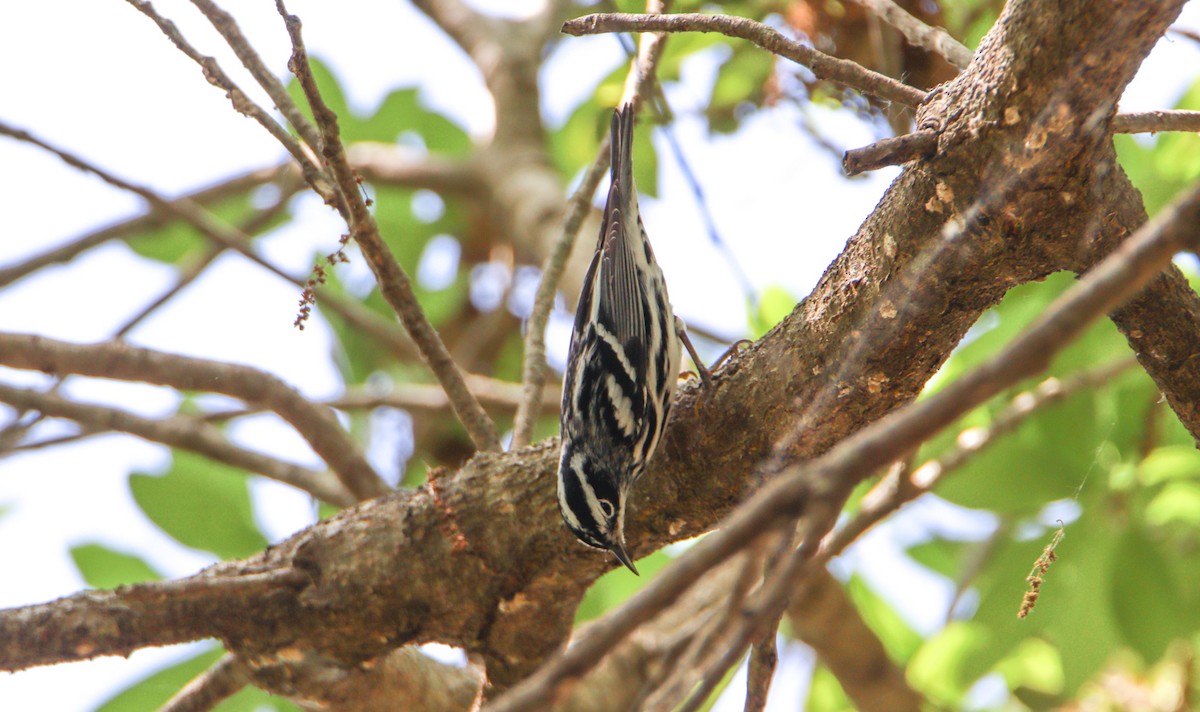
x,y
621,368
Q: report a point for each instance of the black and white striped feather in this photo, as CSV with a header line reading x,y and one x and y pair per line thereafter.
x,y
621,368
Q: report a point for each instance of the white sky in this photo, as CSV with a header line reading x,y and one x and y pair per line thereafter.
x,y
99,79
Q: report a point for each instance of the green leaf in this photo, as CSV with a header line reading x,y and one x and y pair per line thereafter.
x,y
102,567
941,555
1035,665
1177,503
401,111
774,303
899,640
202,504
154,691
740,79
1147,604
1169,463
825,693
937,669
611,589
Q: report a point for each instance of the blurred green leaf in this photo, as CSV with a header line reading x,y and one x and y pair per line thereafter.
x,y
611,589
936,669
401,111
899,640
740,79
774,303
154,691
825,693
201,504
1147,604
1177,503
941,555
102,567
1169,463
1035,665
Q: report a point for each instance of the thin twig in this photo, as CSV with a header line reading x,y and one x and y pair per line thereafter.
x,y
394,284
195,267
816,488
123,362
224,679
535,369
228,27
241,103
918,33
890,152
501,395
1155,121
763,658
181,432
902,485
821,64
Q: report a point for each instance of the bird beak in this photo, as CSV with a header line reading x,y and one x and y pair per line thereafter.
x,y
618,550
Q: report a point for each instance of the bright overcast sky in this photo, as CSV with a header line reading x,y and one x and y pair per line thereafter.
x,y
97,78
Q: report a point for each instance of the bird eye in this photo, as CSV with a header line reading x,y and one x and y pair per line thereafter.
x,y
607,507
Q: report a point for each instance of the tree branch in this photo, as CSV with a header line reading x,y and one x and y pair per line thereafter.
x,y
890,152
919,34
1155,121
119,361
241,103
223,680
394,284
821,64
228,27
184,433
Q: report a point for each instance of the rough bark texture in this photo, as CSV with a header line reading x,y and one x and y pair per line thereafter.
x,y
1024,183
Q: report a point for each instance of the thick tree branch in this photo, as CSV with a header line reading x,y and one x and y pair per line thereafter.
x,y
315,424
394,284
821,64
484,595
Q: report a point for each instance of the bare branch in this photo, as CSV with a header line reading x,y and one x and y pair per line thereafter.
x,y
535,369
387,164
919,34
91,623
1155,121
151,219
228,27
115,360
223,680
394,284
181,432
241,103
890,152
821,64
763,657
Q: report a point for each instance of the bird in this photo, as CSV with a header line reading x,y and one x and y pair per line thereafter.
x,y
622,365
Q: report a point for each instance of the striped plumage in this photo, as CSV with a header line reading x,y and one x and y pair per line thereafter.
x,y
621,368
